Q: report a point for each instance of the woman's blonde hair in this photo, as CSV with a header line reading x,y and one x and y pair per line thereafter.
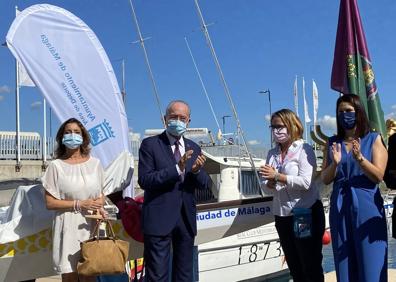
x,y
390,126
291,122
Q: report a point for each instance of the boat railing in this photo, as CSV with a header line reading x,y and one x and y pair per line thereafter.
x,y
232,151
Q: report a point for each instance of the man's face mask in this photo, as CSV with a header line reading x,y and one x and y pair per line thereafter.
x,y
176,127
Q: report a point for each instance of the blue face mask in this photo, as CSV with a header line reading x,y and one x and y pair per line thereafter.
x,y
176,127
72,140
347,119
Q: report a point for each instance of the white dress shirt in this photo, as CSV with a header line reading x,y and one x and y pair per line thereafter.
x,y
300,189
182,149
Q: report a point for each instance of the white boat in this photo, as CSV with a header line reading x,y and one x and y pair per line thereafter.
x,y
388,206
233,208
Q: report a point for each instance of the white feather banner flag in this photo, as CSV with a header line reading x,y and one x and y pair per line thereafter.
x,y
69,65
315,96
307,119
23,77
295,94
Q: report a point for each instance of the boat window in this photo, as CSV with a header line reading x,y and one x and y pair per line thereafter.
x,y
250,186
204,196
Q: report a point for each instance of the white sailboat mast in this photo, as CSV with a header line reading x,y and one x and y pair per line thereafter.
x,y
202,84
226,89
141,41
123,91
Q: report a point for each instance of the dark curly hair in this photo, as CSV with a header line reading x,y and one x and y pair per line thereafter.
x,y
61,149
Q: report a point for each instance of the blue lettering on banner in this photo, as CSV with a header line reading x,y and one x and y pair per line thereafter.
x,y
51,49
74,95
242,211
100,133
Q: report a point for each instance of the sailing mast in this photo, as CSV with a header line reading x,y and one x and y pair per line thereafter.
x,y
123,91
203,87
226,89
141,41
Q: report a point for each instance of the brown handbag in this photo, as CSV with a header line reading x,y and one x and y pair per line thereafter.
x,y
103,255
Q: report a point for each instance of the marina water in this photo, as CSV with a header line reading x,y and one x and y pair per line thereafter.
x,y
328,262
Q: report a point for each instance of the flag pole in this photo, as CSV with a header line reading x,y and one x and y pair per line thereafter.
x,y
17,133
305,111
44,141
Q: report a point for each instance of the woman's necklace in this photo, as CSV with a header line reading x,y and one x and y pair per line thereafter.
x,y
348,139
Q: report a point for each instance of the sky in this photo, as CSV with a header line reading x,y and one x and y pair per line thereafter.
x,y
261,45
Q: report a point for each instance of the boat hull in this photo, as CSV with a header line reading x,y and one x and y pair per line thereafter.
x,y
214,221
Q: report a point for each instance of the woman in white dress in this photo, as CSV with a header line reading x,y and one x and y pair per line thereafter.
x,y
73,184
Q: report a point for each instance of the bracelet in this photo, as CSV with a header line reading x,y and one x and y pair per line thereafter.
x,y
78,209
361,159
74,205
276,176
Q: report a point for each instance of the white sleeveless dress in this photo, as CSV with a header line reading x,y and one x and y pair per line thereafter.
x,y
71,182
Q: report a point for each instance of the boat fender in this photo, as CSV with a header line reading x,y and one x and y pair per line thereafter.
x,y
326,239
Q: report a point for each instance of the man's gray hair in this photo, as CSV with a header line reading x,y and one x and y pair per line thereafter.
x,y
171,103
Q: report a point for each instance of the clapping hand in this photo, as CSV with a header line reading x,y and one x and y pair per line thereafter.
x,y
357,154
183,161
336,152
268,172
199,163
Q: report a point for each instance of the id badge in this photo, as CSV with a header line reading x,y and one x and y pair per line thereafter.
x,y
302,222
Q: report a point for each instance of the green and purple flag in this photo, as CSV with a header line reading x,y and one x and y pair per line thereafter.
x,y
352,70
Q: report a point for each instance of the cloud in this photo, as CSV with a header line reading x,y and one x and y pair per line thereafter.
x,y
267,117
1,98
393,107
390,115
328,123
36,104
5,89
254,142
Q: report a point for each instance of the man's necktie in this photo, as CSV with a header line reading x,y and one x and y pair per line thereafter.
x,y
176,153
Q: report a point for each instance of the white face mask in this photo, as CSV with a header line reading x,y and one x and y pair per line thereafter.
x,y
280,135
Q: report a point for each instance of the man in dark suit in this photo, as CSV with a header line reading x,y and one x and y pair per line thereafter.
x,y
170,169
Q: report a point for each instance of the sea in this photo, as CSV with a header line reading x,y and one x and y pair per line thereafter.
x,y
328,260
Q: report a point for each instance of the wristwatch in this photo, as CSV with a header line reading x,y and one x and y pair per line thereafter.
x,y
276,177
360,159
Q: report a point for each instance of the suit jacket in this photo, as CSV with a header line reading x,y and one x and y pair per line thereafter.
x,y
390,178
164,192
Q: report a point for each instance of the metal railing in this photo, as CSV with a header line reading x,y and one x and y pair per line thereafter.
x,y
31,148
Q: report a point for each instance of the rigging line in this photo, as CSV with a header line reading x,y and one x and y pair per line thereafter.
x,y
226,90
202,83
141,41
